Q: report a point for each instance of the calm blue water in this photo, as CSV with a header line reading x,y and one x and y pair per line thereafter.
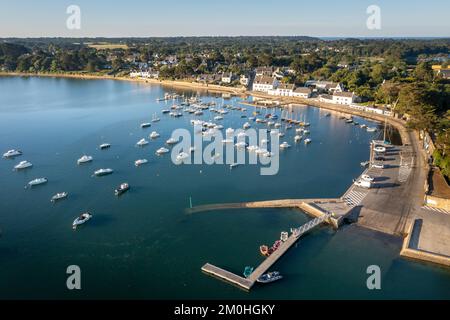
x,y
143,245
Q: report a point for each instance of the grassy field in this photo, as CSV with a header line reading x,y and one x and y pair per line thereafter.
x,y
105,45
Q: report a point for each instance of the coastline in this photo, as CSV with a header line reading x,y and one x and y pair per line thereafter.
x,y
169,83
397,123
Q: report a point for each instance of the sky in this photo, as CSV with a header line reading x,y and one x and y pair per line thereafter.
x,y
146,18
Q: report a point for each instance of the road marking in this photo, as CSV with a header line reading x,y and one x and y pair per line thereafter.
x,y
354,198
436,209
403,173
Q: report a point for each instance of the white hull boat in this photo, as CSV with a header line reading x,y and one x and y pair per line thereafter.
x,y
12,153
140,162
84,159
83,218
37,182
59,196
142,143
154,135
172,141
23,165
103,172
162,151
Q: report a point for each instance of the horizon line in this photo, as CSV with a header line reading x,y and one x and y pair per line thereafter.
x,y
228,36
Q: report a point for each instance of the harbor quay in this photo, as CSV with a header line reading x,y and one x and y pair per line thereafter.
x,y
393,204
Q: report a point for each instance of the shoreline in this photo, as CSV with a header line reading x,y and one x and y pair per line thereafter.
x,y
169,83
397,123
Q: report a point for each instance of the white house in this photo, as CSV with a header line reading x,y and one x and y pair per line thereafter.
x,y
227,77
283,89
346,98
264,84
144,74
302,92
327,86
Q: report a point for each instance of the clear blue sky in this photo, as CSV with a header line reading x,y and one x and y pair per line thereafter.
x,y
34,18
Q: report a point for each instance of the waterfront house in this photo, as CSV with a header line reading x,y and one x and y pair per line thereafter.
x,y
325,86
148,73
227,77
209,78
346,98
302,92
264,83
283,89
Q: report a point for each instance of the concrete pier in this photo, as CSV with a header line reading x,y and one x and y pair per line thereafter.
x,y
247,283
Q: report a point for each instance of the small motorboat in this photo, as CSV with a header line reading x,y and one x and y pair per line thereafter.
x,y
265,250
142,142
269,277
23,165
12,153
191,149
172,141
284,145
165,111
307,141
84,159
371,129
246,125
154,135
277,125
103,172
124,187
105,146
297,138
248,271
83,218
37,182
233,165
140,162
306,132
218,118
146,125
59,196
162,151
